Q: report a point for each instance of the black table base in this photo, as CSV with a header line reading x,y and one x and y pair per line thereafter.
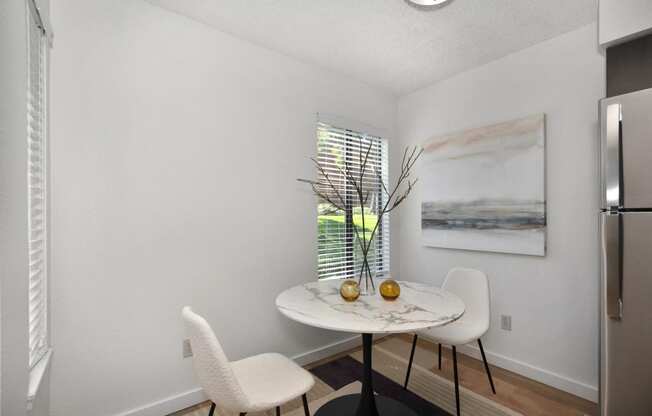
x,y
346,406
366,403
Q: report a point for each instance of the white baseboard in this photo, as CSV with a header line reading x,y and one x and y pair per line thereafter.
x,y
169,404
549,378
328,350
192,397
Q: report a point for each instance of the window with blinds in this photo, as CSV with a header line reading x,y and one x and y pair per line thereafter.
x,y
339,251
37,182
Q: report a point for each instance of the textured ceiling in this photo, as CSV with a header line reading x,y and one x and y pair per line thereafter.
x,y
388,43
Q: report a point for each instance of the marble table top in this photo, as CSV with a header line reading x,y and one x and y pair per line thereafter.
x,y
420,306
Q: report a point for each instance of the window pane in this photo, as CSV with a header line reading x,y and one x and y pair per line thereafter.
x,y
341,229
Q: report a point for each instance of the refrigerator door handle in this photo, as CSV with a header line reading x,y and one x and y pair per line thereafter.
x,y
612,160
612,255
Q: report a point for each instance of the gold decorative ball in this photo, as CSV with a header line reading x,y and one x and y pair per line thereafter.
x,y
350,290
390,289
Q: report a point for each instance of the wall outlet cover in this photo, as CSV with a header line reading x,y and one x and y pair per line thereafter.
x,y
186,348
506,322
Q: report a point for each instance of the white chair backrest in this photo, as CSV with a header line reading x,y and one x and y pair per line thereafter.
x,y
212,367
472,286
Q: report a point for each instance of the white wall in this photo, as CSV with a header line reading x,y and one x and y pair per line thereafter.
x,y
175,150
13,208
621,20
553,300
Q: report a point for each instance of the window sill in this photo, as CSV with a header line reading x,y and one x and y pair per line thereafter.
x,y
36,375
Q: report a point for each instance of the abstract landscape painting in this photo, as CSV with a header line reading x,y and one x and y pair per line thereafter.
x,y
484,189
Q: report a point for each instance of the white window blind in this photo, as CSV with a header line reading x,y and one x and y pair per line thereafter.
x,y
339,251
37,182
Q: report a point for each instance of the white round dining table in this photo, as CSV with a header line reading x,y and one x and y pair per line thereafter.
x,y
319,304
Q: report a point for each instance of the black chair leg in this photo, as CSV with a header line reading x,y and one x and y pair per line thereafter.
x,y
457,382
243,413
210,412
407,375
306,410
486,367
439,355
278,410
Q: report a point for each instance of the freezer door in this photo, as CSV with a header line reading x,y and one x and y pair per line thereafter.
x,y
626,136
626,369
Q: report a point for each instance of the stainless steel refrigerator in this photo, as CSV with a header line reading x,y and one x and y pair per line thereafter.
x,y
626,239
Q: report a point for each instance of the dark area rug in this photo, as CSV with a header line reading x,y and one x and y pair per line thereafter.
x,y
346,370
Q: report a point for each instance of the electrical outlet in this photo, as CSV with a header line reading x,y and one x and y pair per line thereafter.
x,y
186,349
506,322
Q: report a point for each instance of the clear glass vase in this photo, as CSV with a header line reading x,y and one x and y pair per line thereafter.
x,y
366,281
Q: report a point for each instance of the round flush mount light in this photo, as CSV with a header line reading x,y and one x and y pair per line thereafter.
x,y
426,3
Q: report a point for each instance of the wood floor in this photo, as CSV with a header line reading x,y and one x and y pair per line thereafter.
x,y
526,396
514,391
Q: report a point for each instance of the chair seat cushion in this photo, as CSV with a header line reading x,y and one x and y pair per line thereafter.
x,y
270,380
460,332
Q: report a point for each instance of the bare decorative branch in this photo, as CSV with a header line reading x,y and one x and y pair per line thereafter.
x,y
326,189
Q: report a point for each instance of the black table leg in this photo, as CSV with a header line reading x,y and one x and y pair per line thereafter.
x,y
366,403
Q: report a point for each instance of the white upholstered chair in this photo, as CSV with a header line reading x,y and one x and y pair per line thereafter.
x,y
472,286
254,384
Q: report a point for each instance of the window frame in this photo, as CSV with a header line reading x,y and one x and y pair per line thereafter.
x,y
36,24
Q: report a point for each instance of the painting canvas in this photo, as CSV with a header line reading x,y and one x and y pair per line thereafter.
x,y
484,189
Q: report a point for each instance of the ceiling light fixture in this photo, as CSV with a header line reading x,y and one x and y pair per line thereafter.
x,y
423,3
